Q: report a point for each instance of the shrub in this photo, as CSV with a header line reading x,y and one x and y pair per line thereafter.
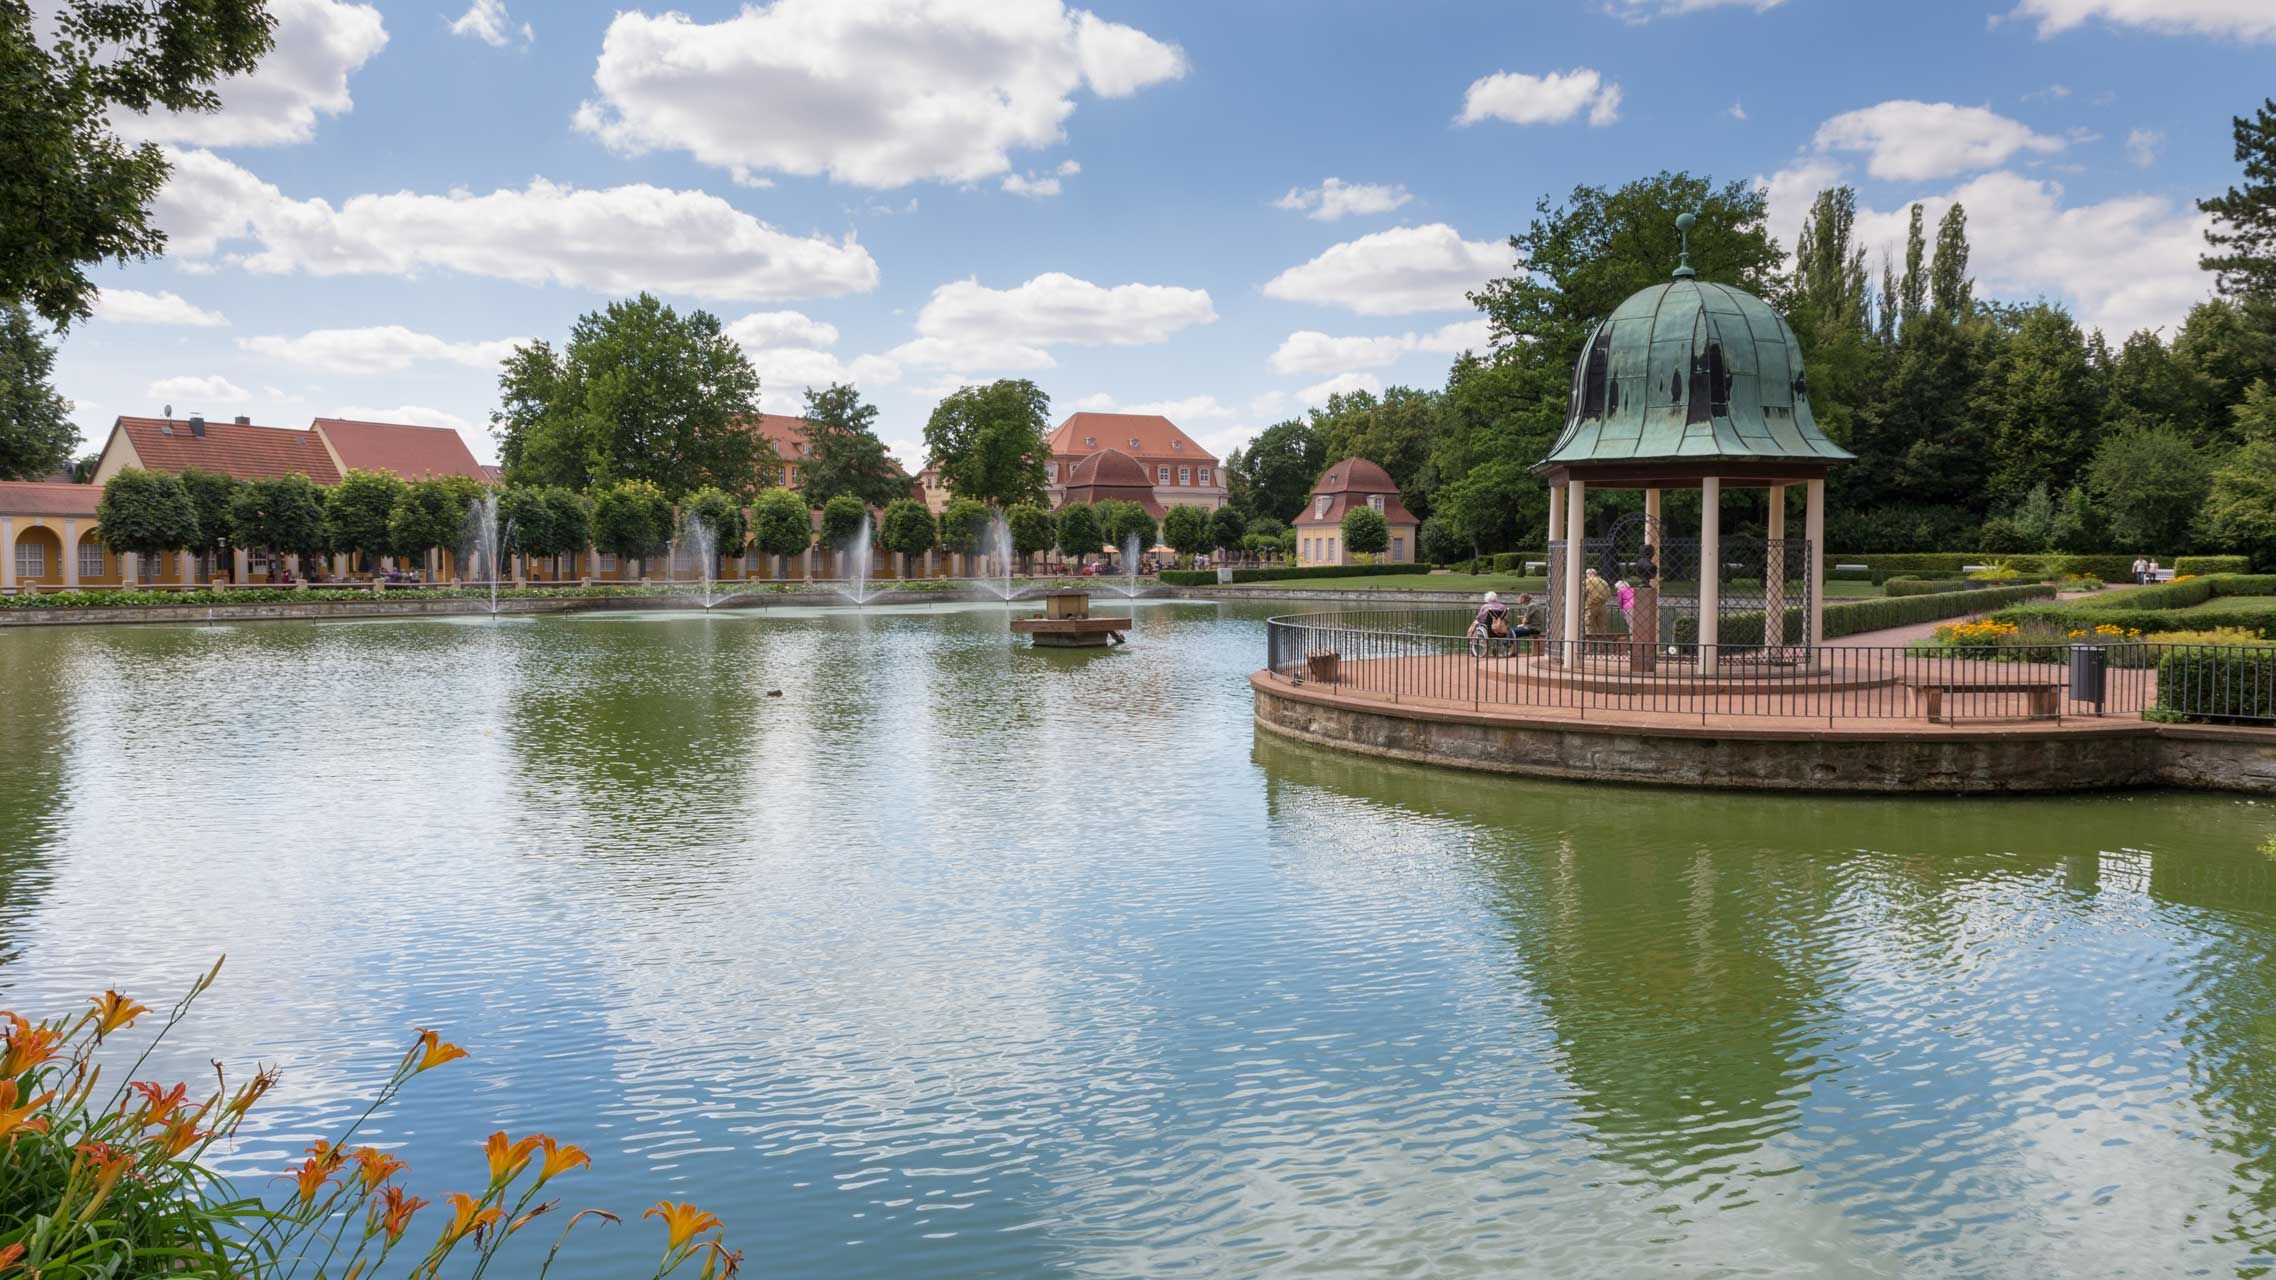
x,y
146,512
1926,587
1856,617
119,1182
2217,636
781,524
2199,566
1284,573
1997,571
2218,684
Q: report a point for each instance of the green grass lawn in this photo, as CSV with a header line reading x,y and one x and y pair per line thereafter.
x,y
2224,606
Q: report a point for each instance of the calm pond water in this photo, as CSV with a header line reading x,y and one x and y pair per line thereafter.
x,y
957,959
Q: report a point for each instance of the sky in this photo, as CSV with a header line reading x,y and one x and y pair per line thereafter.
x,y
1223,211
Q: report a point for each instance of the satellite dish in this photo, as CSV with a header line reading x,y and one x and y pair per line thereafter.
x,y
169,411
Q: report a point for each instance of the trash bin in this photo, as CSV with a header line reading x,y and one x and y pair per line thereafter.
x,y
2090,674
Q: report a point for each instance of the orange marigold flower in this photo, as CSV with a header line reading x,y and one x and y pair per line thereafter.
x,y
682,1222
113,1011
507,1159
392,1212
559,1159
13,1117
25,1046
432,1051
374,1166
467,1215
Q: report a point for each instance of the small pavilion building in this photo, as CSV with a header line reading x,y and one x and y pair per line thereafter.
x,y
1698,386
1353,482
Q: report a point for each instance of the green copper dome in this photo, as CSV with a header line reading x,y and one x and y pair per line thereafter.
x,y
1695,372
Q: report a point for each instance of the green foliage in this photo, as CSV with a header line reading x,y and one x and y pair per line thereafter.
x,y
2199,566
72,193
358,511
990,443
430,512
640,393
211,493
2218,684
843,454
570,523
1032,529
1285,573
720,513
36,433
1121,521
1280,466
841,519
146,512
1929,586
1365,531
963,525
1079,532
2240,507
2159,608
1830,307
1227,527
1186,529
284,515
2149,484
908,528
2244,217
1394,432
1856,617
633,519
781,524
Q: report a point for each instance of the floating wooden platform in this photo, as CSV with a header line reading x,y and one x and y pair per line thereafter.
x,y
1071,633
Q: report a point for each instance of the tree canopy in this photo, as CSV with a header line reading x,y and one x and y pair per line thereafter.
x,y
36,433
843,454
990,443
284,515
1079,532
358,511
1280,466
907,528
146,512
781,523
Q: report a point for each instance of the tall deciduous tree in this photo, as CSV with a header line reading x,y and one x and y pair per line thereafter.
x,y
1830,307
1032,530
36,434
781,524
72,193
284,515
430,513
907,527
841,519
2149,486
1079,532
211,493
632,519
1281,466
963,522
990,443
843,454
1227,528
2037,403
147,513
640,393
358,510
1186,529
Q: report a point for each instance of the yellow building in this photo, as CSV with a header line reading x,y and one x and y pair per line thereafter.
x,y
1351,483
48,539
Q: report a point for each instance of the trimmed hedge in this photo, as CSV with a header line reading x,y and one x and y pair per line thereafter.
x,y
1208,577
2202,565
2150,610
1856,617
1951,564
1924,587
1513,561
2218,684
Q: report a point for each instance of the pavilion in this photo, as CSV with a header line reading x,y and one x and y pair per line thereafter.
x,y
1690,385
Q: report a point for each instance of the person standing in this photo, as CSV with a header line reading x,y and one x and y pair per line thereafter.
x,y
2141,570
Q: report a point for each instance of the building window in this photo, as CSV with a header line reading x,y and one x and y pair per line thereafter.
x,y
1320,505
1161,475
1185,475
1051,469
1205,475
31,560
608,562
1133,442
1090,442
1375,500
1398,548
90,559
1174,444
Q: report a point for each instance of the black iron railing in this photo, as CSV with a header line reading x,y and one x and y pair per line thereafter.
x,y
1433,656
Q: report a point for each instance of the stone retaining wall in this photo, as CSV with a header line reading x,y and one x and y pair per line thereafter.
x,y
2018,759
407,605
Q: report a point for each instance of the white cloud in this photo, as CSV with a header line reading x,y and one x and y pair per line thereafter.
x,y
128,306
188,387
319,42
1555,98
2025,243
616,240
376,349
1336,198
1310,351
877,93
966,325
1192,408
1908,141
1341,384
417,415
2243,19
1394,272
2143,146
786,349
762,329
1736,111
488,21
1791,191
2051,93
1031,186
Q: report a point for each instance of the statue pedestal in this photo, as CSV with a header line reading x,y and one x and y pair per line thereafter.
x,y
1644,631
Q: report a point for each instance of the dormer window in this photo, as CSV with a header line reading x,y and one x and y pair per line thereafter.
x,y
1090,442
1375,500
1174,444
1592,383
1133,442
1320,506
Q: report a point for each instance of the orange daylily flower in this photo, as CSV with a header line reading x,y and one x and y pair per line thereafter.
x,y
11,1257
523,1221
25,1046
559,1159
507,1159
432,1051
392,1212
113,1011
264,1079
682,1222
309,1179
13,1117
327,1155
468,1216
181,1134
158,1103
374,1166
110,1165
721,1262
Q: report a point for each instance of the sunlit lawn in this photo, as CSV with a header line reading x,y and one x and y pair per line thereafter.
x,y
1480,583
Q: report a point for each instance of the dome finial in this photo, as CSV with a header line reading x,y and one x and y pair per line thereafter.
x,y
1683,224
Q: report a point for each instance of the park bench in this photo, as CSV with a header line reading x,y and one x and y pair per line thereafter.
x,y
2044,697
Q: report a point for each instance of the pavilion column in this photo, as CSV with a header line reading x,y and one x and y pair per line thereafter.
x,y
1774,571
7,555
1556,516
1814,529
70,553
1576,533
1710,572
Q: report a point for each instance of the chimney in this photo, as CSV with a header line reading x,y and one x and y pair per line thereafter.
x,y
242,421
197,425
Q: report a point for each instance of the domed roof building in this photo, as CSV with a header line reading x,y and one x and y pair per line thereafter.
x,y
1110,475
1690,385
1353,482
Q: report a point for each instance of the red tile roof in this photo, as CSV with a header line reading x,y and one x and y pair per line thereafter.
x,y
412,452
1349,484
39,498
786,433
237,449
1145,436
1110,475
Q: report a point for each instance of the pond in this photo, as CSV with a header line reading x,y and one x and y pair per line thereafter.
x,y
961,959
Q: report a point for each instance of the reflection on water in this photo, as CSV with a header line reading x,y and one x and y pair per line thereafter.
x,y
912,951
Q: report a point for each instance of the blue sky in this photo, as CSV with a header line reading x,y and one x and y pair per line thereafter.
x,y
1129,203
